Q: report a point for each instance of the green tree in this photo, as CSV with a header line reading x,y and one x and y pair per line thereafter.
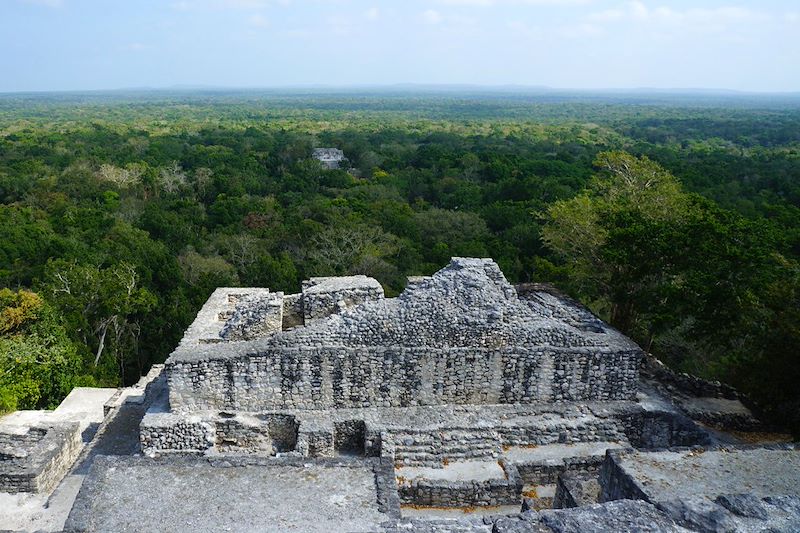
x,y
655,256
614,235
39,364
358,249
104,306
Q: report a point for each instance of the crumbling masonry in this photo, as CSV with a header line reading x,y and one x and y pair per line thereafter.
x,y
464,392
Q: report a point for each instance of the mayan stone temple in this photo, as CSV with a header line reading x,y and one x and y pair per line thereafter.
x,y
465,404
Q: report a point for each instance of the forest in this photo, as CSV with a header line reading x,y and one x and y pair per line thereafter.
x,y
675,217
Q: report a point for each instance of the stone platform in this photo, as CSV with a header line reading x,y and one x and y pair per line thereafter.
x,y
463,405
661,475
232,494
37,448
36,458
99,421
413,436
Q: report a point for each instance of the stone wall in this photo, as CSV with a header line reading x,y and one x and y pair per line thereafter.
x,y
349,437
547,473
426,436
710,402
565,431
323,297
648,429
216,312
475,493
616,484
576,490
430,448
337,377
654,369
266,435
426,447
456,342
254,317
164,433
36,461
292,310
462,336
316,440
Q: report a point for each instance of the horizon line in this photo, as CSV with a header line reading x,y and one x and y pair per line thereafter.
x,y
409,86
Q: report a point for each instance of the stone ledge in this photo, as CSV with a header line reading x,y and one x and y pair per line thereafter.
x,y
36,460
239,493
656,475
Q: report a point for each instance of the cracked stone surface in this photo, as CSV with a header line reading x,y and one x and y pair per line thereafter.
x,y
204,497
710,473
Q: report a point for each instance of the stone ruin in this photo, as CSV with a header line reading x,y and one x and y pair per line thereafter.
x,y
460,337
465,404
331,158
474,394
35,458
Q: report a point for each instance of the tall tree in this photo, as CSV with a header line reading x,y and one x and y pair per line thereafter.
x,y
103,305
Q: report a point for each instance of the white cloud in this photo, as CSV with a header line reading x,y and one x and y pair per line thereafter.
x,y
711,17
340,25
431,16
373,13
46,3
258,21
518,2
244,5
136,47
579,31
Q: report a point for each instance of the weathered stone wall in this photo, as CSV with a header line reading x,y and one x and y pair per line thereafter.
x,y
36,461
576,490
662,430
426,436
164,433
462,336
254,317
323,297
325,377
581,429
317,443
292,311
431,448
216,312
547,473
265,435
445,493
349,437
424,447
654,369
616,484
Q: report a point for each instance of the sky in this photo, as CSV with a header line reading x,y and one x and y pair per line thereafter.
x,y
52,45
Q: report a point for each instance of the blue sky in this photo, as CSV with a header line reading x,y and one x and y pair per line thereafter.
x,y
108,44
